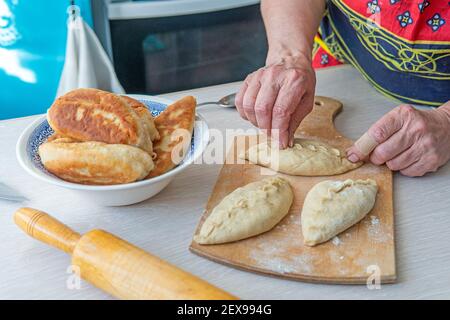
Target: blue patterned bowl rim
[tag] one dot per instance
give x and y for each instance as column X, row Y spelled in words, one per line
column 38, row 132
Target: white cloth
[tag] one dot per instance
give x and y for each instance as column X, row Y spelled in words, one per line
column 86, row 65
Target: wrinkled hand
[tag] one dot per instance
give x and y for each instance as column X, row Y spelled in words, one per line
column 411, row 141
column 277, row 97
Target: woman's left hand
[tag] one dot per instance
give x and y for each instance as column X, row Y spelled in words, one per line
column 411, row 141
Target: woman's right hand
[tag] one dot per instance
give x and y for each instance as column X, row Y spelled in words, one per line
column 278, row 96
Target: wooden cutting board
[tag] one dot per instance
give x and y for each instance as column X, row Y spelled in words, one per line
column 365, row 249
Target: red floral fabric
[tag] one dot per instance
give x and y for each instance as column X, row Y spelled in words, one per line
column 323, row 59
column 413, row 20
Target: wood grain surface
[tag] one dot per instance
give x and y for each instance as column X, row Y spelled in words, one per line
column 351, row 257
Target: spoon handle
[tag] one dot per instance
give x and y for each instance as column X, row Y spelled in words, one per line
column 205, row 103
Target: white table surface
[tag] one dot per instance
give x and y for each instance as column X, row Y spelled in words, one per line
column 164, row 224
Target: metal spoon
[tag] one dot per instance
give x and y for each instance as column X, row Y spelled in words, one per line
column 225, row 102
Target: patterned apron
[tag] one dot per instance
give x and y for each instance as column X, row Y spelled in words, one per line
column 402, row 47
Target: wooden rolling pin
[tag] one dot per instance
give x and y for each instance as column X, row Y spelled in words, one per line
column 114, row 265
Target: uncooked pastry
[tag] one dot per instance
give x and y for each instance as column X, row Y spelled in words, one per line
column 305, row 158
column 331, row 207
column 247, row 211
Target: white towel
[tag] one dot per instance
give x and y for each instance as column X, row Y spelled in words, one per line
column 87, row 65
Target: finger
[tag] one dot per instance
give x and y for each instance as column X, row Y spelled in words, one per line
column 240, row 99
column 404, row 160
column 287, row 100
column 417, row 169
column 380, row 131
column 265, row 101
column 354, row 155
column 362, row 148
column 305, row 107
column 250, row 98
column 384, row 128
column 393, row 146
column 428, row 162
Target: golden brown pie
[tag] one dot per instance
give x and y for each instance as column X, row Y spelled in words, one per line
column 95, row 162
column 175, row 125
column 95, row 115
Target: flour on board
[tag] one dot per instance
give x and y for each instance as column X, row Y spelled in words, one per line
column 273, row 257
column 375, row 230
column 336, row 241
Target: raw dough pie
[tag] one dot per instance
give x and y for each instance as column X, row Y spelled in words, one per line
column 331, row 207
column 305, row 158
column 247, row 211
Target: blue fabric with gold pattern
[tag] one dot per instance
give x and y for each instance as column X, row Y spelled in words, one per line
column 416, row 72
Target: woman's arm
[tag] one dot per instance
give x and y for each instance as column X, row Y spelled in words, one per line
column 277, row 97
column 291, row 26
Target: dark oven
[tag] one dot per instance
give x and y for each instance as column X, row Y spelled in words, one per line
column 164, row 46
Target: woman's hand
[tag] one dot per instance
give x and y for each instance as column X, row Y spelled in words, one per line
column 411, row 141
column 277, row 97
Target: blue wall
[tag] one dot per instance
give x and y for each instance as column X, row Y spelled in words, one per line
column 32, row 47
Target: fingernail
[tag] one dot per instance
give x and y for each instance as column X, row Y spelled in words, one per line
column 353, row 158
column 291, row 143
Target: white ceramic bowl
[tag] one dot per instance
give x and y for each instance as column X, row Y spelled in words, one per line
column 112, row 195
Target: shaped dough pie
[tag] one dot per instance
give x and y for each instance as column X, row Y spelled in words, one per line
column 305, row 158
column 247, row 211
column 331, row 207
column 95, row 162
column 175, row 125
column 96, row 115
column 145, row 115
